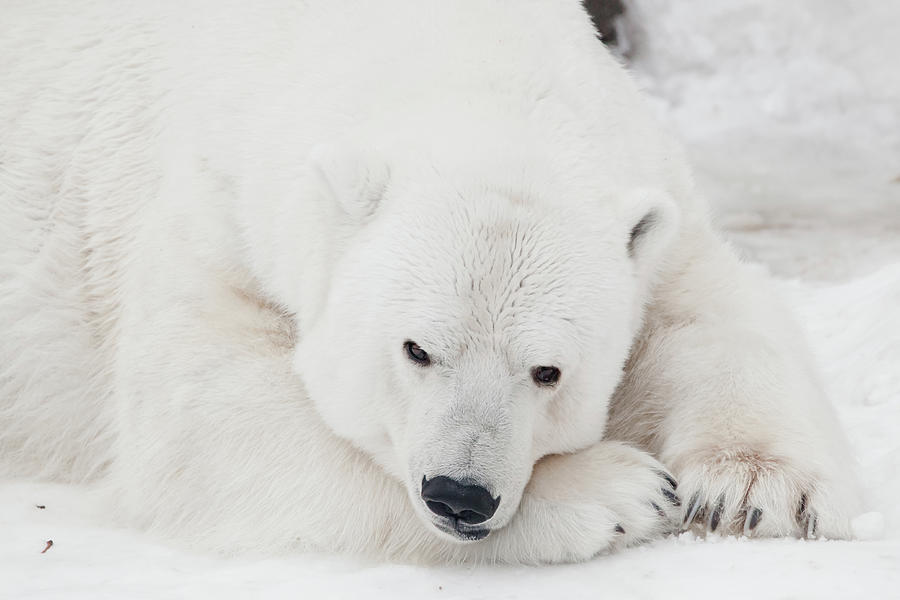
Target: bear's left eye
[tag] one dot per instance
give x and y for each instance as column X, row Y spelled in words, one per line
column 545, row 375
column 416, row 354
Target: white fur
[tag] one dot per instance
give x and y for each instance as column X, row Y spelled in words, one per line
column 220, row 224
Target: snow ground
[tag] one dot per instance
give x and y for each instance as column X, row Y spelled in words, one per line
column 791, row 114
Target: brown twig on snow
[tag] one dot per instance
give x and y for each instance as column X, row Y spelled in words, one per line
column 48, row 546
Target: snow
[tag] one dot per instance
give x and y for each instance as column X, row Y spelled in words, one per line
column 89, row 561
column 791, row 115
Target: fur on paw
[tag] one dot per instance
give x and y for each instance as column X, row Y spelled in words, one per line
column 608, row 496
column 741, row 491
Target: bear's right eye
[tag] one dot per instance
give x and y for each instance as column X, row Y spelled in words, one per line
column 416, row 354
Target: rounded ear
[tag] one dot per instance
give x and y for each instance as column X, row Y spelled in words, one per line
column 355, row 178
column 652, row 219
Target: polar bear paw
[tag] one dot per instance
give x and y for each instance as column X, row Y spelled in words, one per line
column 739, row 491
column 647, row 515
column 605, row 497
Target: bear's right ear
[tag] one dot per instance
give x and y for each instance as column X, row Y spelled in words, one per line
column 356, row 179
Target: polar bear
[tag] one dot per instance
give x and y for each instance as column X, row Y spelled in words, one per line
column 421, row 280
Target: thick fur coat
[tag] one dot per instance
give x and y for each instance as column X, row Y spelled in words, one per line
column 228, row 229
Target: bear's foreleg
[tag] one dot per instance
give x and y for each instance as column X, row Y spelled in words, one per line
column 721, row 388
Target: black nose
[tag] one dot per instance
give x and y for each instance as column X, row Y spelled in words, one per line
column 449, row 498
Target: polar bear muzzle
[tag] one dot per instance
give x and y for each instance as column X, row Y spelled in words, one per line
column 459, row 504
column 449, row 498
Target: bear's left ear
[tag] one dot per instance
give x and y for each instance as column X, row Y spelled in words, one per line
column 652, row 219
column 355, row 178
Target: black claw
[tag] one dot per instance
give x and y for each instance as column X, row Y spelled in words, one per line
column 692, row 508
column 811, row 529
column 671, row 480
column 753, row 520
column 801, row 510
column 671, row 497
column 659, row 511
column 717, row 513
column 620, row 529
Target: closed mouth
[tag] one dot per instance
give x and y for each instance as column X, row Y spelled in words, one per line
column 458, row 530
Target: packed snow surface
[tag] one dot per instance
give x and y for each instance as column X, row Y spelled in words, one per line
column 791, row 114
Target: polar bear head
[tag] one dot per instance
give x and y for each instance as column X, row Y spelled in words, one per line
column 465, row 331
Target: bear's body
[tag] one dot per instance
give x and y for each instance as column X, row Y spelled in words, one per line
column 217, row 221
